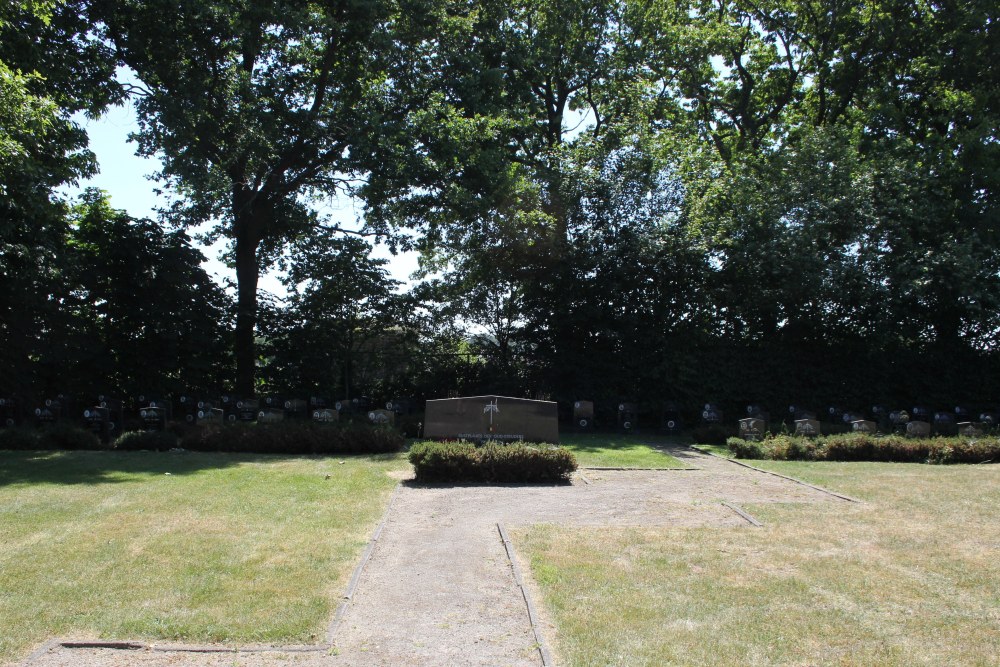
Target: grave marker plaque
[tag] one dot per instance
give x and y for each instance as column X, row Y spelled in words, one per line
column 247, row 409
column 8, row 412
column 628, row 417
column 209, row 414
column 809, row 427
column 382, row 417
column 296, row 408
column 752, row 428
column 188, row 408
column 325, row 415
column 98, row 421
column 864, row 426
column 484, row 418
column 672, row 423
column 271, row 415
column 711, row 414
column 154, row 415
column 969, row 430
column 918, row 429
column 583, row 415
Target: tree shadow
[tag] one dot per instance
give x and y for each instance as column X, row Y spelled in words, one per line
column 104, row 467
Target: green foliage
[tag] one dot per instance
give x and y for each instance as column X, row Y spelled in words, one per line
column 866, row 447
column 20, row 439
column 54, row 437
column 495, row 463
column 156, row 441
column 294, row 438
column 445, row 461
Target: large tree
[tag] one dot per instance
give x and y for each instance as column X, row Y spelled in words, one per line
column 256, row 110
column 49, row 70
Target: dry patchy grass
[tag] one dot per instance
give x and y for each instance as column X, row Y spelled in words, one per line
column 195, row 547
column 909, row 577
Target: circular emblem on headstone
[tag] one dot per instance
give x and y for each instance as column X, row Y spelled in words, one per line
column 671, row 424
column 583, row 423
column 576, row 405
column 338, row 405
column 388, row 405
column 184, row 399
column 627, row 424
column 232, row 418
column 621, row 407
column 38, row 412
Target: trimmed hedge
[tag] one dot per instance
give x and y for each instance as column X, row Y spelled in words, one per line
column 867, row 447
column 55, row 437
column 517, row 462
column 294, row 438
column 159, row 441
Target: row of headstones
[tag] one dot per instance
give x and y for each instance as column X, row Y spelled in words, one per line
column 106, row 415
column 627, row 417
column 918, row 422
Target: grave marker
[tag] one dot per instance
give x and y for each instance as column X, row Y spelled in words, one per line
column 485, row 418
column 583, row 415
column 808, row 427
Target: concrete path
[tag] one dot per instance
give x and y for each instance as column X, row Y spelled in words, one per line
column 439, row 588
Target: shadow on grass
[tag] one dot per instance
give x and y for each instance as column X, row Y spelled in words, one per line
column 109, row 467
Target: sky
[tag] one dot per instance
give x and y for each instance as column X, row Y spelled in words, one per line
column 125, row 177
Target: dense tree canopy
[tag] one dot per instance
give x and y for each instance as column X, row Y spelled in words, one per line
column 660, row 200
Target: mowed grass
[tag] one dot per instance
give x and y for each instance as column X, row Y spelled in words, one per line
column 909, row 577
column 180, row 546
column 613, row 450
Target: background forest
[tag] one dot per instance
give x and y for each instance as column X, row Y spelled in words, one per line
column 773, row 201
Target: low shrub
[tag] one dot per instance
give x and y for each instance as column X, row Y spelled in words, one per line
column 68, row 437
column 446, row 462
column 868, row 447
column 22, row 439
column 54, row 437
column 157, row 441
column 294, row 438
column 513, row 463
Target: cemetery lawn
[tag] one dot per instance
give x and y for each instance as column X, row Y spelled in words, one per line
column 615, row 450
column 180, row 546
column 908, row 577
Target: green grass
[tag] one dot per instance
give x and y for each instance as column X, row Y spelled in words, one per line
column 619, row 451
column 908, row 577
column 192, row 547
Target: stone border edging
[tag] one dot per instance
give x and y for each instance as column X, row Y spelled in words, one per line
column 352, row 585
column 743, row 513
column 543, row 648
column 777, row 474
column 624, row 468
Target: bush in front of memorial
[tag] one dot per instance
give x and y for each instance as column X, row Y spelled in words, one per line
column 493, row 463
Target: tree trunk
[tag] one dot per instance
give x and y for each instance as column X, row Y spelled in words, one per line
column 247, row 234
